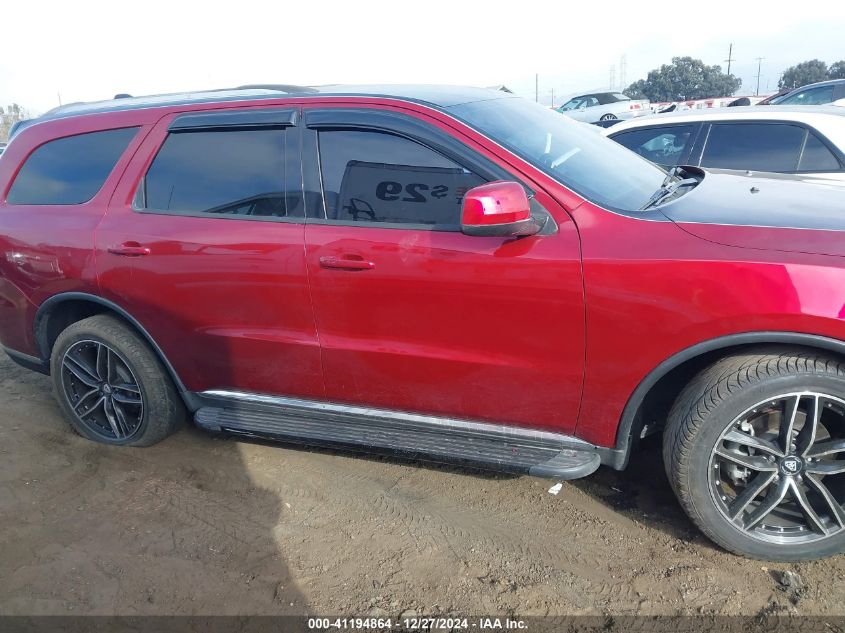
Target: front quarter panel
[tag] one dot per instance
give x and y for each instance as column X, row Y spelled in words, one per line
column 653, row 290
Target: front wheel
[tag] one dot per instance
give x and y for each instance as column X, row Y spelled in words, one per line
column 111, row 386
column 755, row 451
column 608, row 117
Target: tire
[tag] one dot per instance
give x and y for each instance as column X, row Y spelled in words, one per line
column 734, row 418
column 607, row 117
column 111, row 386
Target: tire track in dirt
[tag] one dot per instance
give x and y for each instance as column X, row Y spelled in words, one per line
column 430, row 523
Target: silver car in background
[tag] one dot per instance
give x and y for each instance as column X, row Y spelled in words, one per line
column 604, row 106
column 805, row 140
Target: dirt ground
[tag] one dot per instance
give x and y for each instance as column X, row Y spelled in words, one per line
column 206, row 525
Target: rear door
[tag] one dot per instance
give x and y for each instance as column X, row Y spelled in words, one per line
column 203, row 243
column 756, row 146
column 413, row 315
column 774, row 146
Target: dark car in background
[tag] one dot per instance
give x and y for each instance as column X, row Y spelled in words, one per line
column 819, row 93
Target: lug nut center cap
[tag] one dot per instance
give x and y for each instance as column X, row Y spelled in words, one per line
column 791, row 465
column 107, row 389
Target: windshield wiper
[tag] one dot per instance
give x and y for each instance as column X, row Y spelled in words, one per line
column 670, row 185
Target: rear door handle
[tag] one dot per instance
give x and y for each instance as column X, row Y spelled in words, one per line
column 129, row 249
column 346, row 262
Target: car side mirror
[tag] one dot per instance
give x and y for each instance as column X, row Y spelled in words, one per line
column 498, row 209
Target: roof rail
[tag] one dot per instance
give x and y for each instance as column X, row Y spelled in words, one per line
column 279, row 87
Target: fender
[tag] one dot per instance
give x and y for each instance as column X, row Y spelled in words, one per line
column 40, row 331
column 625, row 432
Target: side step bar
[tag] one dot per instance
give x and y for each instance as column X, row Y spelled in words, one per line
column 492, row 446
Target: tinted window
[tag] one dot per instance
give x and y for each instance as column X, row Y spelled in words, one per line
column 226, row 172
column 586, row 101
column 817, row 157
column 755, row 146
column 376, row 177
column 664, row 146
column 813, row 96
column 70, row 170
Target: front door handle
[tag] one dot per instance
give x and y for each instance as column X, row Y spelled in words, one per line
column 129, row 249
column 346, row 262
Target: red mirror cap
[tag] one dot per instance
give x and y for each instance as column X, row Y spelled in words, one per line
column 498, row 202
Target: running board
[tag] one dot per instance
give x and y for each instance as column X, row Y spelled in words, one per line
column 492, row 446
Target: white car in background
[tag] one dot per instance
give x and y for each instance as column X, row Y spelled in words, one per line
column 805, row 140
column 603, row 106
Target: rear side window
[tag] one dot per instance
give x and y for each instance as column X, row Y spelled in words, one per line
column 817, row 157
column 754, row 146
column 664, row 145
column 69, row 170
column 812, row 96
column 379, row 177
column 218, row 172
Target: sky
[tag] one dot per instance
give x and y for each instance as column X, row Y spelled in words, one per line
column 86, row 51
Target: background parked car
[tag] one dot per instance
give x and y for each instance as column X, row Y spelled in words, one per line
column 603, row 106
column 774, row 98
column 785, row 139
column 814, row 94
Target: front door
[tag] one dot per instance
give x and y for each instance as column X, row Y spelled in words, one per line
column 412, row 314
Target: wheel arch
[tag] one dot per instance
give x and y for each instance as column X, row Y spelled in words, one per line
column 59, row 311
column 660, row 386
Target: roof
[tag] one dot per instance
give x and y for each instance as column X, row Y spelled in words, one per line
column 738, row 112
column 826, row 82
column 438, row 96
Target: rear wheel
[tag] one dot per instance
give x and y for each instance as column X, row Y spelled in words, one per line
column 111, row 386
column 755, row 451
column 608, row 117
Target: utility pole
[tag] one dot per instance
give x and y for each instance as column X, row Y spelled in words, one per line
column 759, row 62
column 730, row 57
column 537, row 87
column 553, row 97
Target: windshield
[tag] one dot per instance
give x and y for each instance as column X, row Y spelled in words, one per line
column 593, row 166
column 574, row 103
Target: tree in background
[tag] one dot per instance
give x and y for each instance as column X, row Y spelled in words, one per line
column 836, row 70
column 684, row 79
column 804, row 73
column 8, row 117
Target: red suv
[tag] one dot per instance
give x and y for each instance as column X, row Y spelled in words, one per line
column 454, row 274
